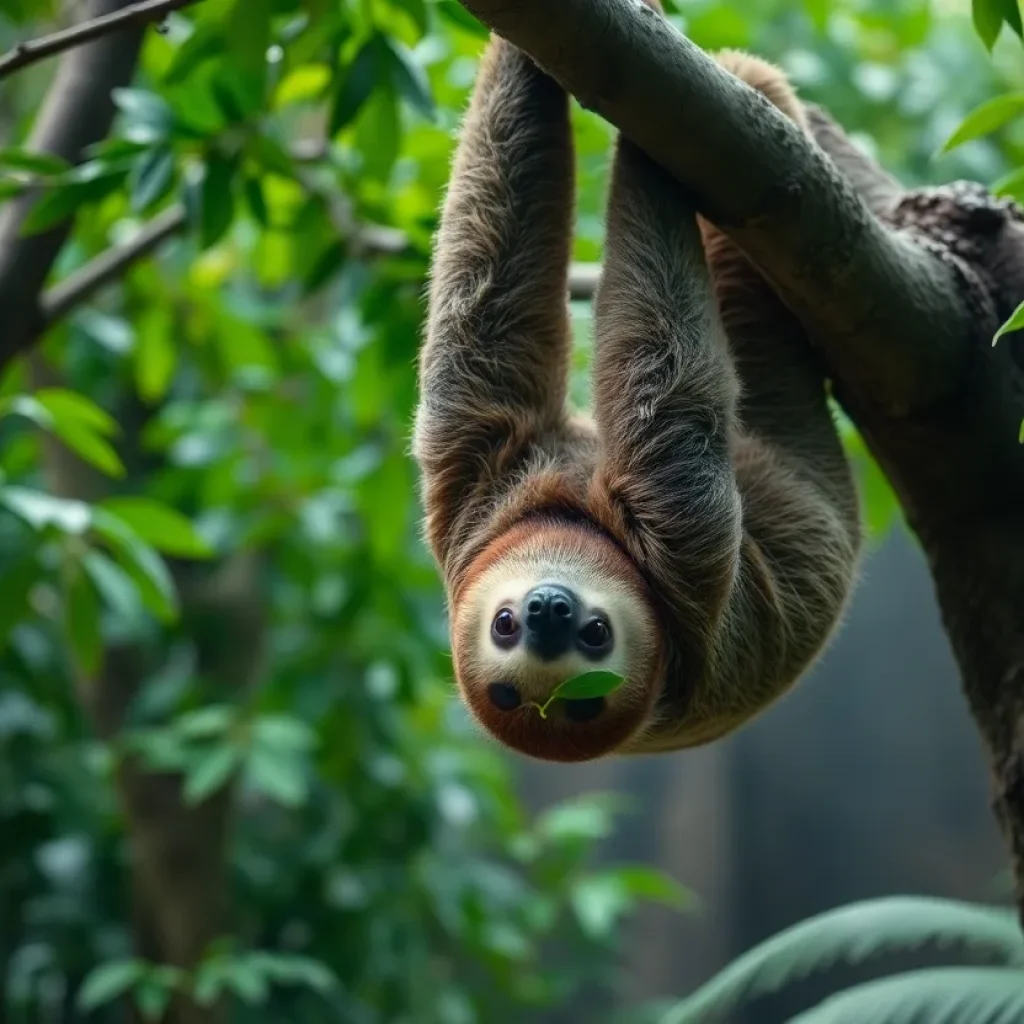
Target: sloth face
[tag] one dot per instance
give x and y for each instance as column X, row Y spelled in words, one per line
column 552, row 602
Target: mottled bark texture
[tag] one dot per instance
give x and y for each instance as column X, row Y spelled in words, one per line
column 902, row 291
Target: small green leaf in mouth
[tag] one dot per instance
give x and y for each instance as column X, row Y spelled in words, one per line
column 583, row 687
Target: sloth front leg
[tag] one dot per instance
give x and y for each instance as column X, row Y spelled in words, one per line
column 665, row 397
column 493, row 366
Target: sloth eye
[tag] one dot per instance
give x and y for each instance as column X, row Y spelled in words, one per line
column 505, row 627
column 596, row 633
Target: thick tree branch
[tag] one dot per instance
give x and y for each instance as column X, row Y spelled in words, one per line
column 873, row 298
column 48, row 46
column 77, row 112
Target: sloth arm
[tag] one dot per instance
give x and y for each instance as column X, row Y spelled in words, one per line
column 742, row 513
column 494, row 363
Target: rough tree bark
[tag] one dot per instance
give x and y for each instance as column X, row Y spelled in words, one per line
column 901, row 290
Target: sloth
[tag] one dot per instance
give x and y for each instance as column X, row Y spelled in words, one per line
column 698, row 534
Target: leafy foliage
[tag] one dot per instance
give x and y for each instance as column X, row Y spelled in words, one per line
column 852, row 934
column 233, row 503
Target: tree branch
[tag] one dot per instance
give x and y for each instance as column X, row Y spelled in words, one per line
column 33, row 50
column 77, row 112
column 109, row 266
column 873, row 298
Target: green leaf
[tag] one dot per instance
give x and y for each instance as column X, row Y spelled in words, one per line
column 60, row 202
column 244, row 76
column 356, row 85
column 76, row 420
column 82, row 620
column 379, row 132
column 247, row 981
column 217, row 204
column 151, row 177
column 650, row 884
column 417, row 11
column 410, row 79
column 114, row 333
column 1014, row 323
column 211, row 773
column 156, row 355
column 108, row 981
column 19, row 579
column 70, row 405
column 36, row 163
column 1011, row 184
column 1011, row 15
column 97, row 452
column 583, row 819
column 152, row 998
column 453, row 12
column 986, row 118
column 279, row 775
column 938, row 995
column 284, row 733
column 114, row 585
column 205, row 43
column 589, row 684
column 208, row 722
column 851, row 935
column 271, row 155
column 287, row 968
column 257, row 201
column 165, row 528
column 598, row 902
column 248, row 29
column 209, row 982
column 325, row 266
column 142, row 564
column 988, row 20
column 1020, row 436
column 148, row 118
column 43, row 510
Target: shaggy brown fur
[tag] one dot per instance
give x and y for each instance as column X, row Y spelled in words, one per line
column 710, row 492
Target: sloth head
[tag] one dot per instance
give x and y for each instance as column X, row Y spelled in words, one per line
column 541, row 604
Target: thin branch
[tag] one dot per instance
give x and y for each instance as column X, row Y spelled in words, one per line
column 876, row 302
column 77, row 112
column 33, row 50
column 109, row 266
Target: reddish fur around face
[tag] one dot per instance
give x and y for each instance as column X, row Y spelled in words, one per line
column 555, row 737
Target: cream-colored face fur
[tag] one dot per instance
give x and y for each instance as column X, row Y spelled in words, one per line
column 600, row 593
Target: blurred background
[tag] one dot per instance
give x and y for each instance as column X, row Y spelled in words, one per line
column 231, row 761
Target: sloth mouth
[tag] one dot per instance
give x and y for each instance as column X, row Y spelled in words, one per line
column 505, row 697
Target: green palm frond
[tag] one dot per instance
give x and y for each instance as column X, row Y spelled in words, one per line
column 850, row 935
column 938, row 995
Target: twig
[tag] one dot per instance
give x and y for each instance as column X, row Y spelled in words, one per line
column 47, row 46
column 109, row 266
column 77, row 113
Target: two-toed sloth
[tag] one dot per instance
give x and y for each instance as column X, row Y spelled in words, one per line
column 699, row 535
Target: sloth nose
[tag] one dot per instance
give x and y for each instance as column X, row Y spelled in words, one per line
column 551, row 612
